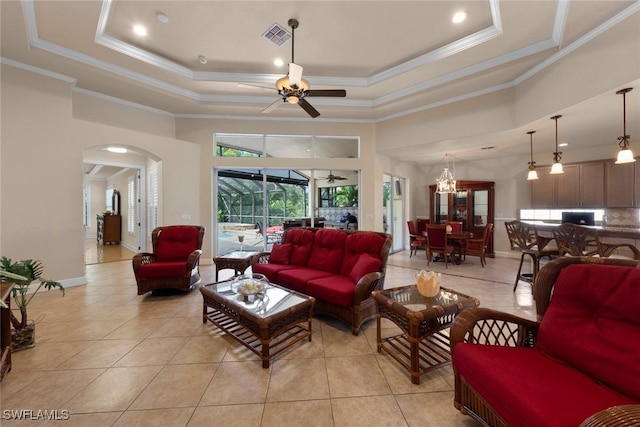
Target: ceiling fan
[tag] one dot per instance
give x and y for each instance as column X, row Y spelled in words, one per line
column 294, row 89
column 331, row 178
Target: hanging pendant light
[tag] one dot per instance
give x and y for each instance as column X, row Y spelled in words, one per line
column 533, row 174
column 625, row 155
column 556, row 167
column 446, row 183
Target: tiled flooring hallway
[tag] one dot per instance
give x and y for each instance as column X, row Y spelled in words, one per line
column 113, row 358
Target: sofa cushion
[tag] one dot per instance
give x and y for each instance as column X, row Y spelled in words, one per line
column 327, row 250
column 162, row 269
column 270, row 270
column 365, row 264
column 176, row 243
column 280, row 253
column 360, row 243
column 301, row 241
column 334, row 289
column 527, row 388
column 297, row 278
column 593, row 324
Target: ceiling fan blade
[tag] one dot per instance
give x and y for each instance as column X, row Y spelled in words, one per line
column 327, row 92
column 251, row 86
column 273, row 106
column 295, row 74
column 308, row 108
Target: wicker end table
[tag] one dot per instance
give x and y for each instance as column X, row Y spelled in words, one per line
column 423, row 343
column 239, row 261
column 274, row 321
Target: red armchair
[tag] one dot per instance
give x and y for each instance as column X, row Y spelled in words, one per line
column 174, row 262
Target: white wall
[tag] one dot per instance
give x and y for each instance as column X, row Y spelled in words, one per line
column 46, row 125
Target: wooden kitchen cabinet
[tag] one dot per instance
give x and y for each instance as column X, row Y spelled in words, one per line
column 592, row 185
column 567, row 187
column 543, row 189
column 620, row 185
column 582, row 185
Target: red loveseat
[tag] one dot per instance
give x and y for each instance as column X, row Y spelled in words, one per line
column 580, row 358
column 340, row 268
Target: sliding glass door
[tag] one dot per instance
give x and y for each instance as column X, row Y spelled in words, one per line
column 393, row 208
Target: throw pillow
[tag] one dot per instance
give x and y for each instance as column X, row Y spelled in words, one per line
column 365, row 264
column 280, row 253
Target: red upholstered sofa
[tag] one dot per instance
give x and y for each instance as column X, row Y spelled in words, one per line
column 340, row 268
column 581, row 357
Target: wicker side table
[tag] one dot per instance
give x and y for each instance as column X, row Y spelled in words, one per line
column 423, row 343
column 237, row 261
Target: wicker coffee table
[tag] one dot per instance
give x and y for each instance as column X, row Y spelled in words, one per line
column 423, row 343
column 271, row 323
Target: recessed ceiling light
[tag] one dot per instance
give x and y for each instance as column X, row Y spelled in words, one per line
column 162, row 17
column 140, row 30
column 278, row 62
column 118, row 150
column 202, row 59
column 563, row 144
column 458, row 17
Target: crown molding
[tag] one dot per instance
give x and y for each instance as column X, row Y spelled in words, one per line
column 554, row 41
column 38, row 70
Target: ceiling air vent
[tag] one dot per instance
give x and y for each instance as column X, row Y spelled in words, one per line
column 277, row 35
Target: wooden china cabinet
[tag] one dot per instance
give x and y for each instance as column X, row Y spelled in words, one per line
column 472, row 203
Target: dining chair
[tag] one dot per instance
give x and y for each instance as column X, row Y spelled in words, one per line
column 416, row 241
column 478, row 247
column 527, row 240
column 437, row 243
column 456, row 226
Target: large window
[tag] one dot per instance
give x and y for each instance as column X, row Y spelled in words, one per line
column 287, row 146
column 341, row 196
column 255, row 204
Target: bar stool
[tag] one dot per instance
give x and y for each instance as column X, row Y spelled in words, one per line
column 530, row 243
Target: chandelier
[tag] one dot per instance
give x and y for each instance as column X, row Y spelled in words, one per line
column 446, row 183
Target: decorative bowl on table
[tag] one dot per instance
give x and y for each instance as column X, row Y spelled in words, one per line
column 249, row 285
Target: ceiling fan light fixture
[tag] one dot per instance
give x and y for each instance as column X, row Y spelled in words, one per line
column 282, row 84
column 625, row 155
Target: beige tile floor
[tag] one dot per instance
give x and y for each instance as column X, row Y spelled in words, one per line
column 112, row 358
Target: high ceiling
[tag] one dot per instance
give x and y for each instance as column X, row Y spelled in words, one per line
column 392, row 57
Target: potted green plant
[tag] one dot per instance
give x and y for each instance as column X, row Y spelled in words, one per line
column 23, row 273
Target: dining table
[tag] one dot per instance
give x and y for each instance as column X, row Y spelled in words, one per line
column 459, row 241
